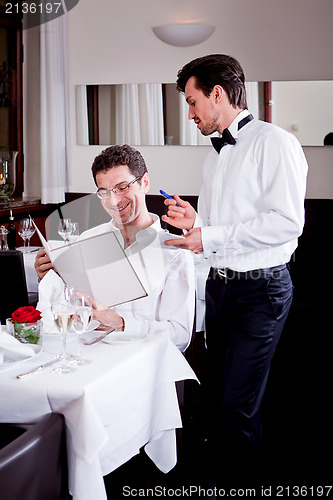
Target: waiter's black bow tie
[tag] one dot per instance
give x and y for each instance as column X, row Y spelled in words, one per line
column 226, row 137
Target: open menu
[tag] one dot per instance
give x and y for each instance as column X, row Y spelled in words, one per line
column 98, row 266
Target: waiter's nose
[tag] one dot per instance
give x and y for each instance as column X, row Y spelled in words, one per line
column 191, row 113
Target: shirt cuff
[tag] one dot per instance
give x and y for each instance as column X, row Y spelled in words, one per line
column 131, row 324
column 213, row 239
column 198, row 221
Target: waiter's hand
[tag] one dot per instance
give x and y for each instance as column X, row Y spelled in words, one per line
column 183, row 216
column 191, row 241
column 42, row 263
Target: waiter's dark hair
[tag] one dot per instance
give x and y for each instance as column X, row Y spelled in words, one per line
column 216, row 69
column 114, row 156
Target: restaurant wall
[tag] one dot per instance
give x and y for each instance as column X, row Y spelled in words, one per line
column 273, row 40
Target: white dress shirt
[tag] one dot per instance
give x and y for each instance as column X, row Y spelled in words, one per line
column 167, row 273
column 251, row 205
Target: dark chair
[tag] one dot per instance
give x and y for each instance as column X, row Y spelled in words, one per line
column 33, row 466
column 13, row 290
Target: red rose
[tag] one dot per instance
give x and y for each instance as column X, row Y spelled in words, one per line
column 27, row 314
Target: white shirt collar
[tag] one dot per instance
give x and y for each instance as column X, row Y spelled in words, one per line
column 233, row 127
column 143, row 234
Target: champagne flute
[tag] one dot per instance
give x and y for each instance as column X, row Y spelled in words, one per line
column 63, row 314
column 64, row 228
column 83, row 315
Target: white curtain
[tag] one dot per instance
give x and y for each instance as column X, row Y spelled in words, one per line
column 139, row 114
column 82, row 129
column 54, row 114
column 151, row 114
column 127, row 114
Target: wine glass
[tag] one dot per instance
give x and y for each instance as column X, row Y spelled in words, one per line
column 23, row 231
column 30, row 231
column 63, row 312
column 74, row 234
column 83, row 315
column 64, row 228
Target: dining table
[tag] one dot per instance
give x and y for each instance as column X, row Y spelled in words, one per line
column 125, row 399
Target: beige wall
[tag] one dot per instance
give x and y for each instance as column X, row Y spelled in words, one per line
column 272, row 39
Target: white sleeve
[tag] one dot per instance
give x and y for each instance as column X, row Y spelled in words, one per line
column 174, row 313
column 283, row 170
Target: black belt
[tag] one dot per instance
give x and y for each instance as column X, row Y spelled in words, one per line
column 255, row 274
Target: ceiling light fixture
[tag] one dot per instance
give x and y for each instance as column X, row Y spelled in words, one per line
column 183, row 35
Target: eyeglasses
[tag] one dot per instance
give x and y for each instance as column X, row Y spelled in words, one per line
column 121, row 189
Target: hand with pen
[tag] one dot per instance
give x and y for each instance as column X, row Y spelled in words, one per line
column 182, row 215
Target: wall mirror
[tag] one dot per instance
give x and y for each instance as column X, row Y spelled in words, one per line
column 156, row 114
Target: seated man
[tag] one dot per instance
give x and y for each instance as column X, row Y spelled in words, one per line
column 167, row 273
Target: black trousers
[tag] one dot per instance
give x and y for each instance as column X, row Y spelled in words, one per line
column 245, row 315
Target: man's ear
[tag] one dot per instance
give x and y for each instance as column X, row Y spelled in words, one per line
column 145, row 182
column 217, row 93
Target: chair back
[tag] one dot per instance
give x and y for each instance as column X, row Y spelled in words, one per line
column 13, row 288
column 34, row 465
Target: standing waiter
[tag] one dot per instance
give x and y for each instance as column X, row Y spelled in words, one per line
column 250, row 214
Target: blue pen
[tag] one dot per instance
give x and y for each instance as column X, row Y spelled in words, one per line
column 166, row 195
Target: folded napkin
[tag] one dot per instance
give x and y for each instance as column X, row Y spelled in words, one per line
column 51, row 280
column 12, row 349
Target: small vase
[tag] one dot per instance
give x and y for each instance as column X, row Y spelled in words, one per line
column 27, row 333
column 7, row 175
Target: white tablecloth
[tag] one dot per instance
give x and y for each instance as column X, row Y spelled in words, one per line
column 30, row 271
column 123, row 400
column 29, row 264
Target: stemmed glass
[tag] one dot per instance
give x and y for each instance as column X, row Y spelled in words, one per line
column 83, row 315
column 74, row 234
column 63, row 311
column 22, row 232
column 26, row 229
column 65, row 228
column 30, row 231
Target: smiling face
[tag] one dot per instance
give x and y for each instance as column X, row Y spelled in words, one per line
column 203, row 110
column 129, row 207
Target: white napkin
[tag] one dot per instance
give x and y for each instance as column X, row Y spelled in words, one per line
column 13, row 349
column 51, row 280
